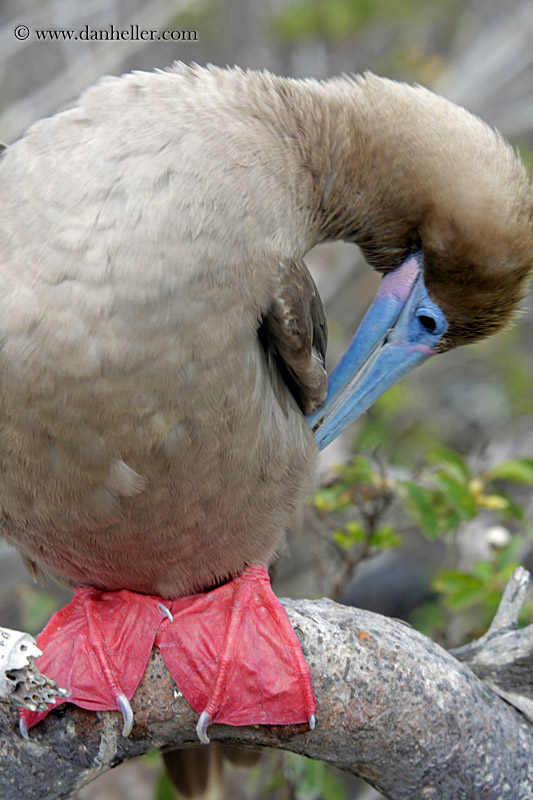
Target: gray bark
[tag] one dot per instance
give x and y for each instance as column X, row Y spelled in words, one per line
column 393, row 708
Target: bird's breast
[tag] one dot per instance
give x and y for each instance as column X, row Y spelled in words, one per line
column 146, row 449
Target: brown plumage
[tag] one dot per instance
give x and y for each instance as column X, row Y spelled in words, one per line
column 160, row 334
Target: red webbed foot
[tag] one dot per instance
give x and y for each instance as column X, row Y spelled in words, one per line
column 231, row 651
column 236, row 658
column 97, row 647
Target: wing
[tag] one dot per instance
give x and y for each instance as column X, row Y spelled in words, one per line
column 294, row 335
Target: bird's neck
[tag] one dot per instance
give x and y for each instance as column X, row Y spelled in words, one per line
column 344, row 148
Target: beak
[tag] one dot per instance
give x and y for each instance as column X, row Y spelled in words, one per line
column 400, row 330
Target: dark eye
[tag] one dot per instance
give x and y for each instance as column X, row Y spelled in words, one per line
column 428, row 323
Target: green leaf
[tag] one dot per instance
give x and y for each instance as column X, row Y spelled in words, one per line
column 505, row 572
column 373, row 433
column 395, row 399
column 458, row 496
column 153, row 757
column 332, row 498
column 513, row 509
column 419, row 502
column 428, row 618
column 355, row 530
column 451, row 462
column 447, row 581
column 37, row 608
column 304, row 776
column 460, row 589
column 344, row 541
column 385, row 538
column 449, row 522
column 510, row 555
column 164, row 789
column 518, row 470
column 332, row 787
column 308, row 787
column 360, row 470
column 352, row 534
column 466, row 598
column 483, row 570
column 325, row 19
column 276, row 780
column 297, row 22
column 491, row 603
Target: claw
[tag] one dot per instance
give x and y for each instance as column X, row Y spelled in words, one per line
column 124, row 707
column 23, row 728
column 312, row 721
column 166, row 611
column 201, row 728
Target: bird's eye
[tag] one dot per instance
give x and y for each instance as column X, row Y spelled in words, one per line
column 428, row 323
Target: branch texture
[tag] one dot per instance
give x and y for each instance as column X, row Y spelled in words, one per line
column 393, row 708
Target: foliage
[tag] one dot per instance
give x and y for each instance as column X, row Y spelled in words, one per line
column 304, row 778
column 164, row 789
column 437, row 497
column 340, row 19
column 311, row 780
column 36, row 607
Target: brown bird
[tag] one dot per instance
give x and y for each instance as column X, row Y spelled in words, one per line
column 162, row 339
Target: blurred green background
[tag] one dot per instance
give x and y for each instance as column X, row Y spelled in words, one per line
column 429, row 519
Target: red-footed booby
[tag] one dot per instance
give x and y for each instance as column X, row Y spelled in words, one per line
column 162, row 348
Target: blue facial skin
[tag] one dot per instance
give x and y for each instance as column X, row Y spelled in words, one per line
column 400, row 330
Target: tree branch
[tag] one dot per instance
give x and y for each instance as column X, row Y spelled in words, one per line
column 393, row 708
column 503, row 657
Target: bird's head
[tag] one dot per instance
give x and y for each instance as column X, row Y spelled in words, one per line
column 450, row 227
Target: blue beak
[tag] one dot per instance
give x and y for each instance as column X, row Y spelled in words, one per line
column 400, row 330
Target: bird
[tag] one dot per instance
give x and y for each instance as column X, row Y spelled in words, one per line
column 164, row 394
